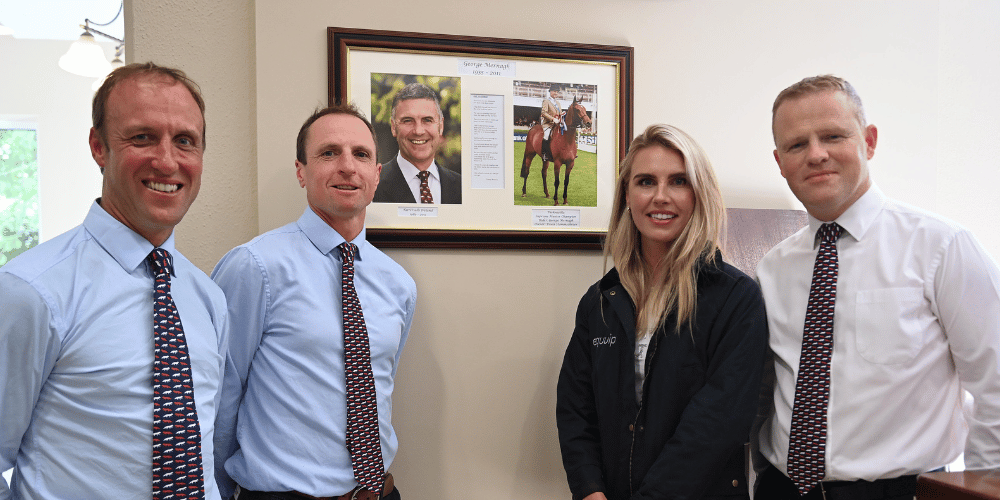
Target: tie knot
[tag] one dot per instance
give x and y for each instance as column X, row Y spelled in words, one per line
column 348, row 250
column 161, row 261
column 830, row 231
column 423, row 175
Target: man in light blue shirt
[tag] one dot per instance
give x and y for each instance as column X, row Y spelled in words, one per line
column 283, row 417
column 76, row 328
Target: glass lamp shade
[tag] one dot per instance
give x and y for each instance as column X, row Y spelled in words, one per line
column 115, row 64
column 85, row 58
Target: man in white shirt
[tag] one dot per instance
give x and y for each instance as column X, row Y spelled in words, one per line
column 413, row 175
column 916, row 320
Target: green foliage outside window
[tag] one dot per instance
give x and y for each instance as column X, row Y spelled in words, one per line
column 18, row 192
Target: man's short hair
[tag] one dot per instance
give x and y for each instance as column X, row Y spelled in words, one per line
column 415, row 91
column 135, row 70
column 821, row 83
column 336, row 109
column 555, row 87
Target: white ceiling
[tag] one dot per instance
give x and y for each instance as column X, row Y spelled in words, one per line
column 60, row 19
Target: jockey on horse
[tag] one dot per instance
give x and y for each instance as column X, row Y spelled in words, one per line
column 551, row 116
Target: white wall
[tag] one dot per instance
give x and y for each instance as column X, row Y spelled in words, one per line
column 475, row 395
column 968, row 167
column 35, row 88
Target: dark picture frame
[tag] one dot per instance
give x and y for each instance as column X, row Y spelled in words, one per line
column 347, row 45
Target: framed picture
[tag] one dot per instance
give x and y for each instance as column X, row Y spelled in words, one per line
column 487, row 142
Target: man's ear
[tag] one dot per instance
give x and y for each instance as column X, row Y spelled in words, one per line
column 871, row 139
column 98, row 149
column 777, row 159
column 299, row 166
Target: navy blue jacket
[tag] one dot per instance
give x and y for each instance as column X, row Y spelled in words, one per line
column 686, row 441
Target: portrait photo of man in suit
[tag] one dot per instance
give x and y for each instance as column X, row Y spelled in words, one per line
column 416, row 174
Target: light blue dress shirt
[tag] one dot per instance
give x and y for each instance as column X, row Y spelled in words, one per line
column 282, row 421
column 76, row 362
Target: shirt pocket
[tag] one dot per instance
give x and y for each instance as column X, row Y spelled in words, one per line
column 889, row 322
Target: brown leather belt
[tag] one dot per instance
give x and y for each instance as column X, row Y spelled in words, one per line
column 360, row 493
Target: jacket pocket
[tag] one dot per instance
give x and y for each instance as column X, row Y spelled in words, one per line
column 889, row 324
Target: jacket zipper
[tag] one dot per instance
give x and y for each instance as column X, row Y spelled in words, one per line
column 654, row 344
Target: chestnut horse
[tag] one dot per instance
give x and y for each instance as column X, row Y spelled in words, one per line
column 563, row 150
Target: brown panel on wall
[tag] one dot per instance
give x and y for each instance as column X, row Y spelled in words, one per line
column 752, row 232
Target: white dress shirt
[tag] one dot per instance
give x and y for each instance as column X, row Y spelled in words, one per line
column 917, row 320
column 413, row 180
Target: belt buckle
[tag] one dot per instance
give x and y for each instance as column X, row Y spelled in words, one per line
column 359, row 492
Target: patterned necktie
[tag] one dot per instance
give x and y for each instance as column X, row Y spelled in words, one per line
column 362, row 409
column 425, row 190
column 177, row 461
column 807, row 441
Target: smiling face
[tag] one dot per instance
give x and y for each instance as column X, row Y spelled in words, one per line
column 340, row 174
column 660, row 198
column 418, row 129
column 823, row 151
column 152, row 158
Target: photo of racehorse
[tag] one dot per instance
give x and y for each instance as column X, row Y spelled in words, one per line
column 556, row 122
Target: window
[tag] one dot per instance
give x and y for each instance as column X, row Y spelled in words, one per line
column 19, row 209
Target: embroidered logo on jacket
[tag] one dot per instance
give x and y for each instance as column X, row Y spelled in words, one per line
column 609, row 340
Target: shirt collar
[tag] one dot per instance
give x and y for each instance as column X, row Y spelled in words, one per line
column 859, row 217
column 325, row 238
column 410, row 172
column 126, row 246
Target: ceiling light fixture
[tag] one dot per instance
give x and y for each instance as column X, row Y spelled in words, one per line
column 86, row 58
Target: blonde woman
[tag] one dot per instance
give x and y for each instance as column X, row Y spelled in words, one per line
column 659, row 383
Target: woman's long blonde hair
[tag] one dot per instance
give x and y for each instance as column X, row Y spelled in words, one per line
column 675, row 288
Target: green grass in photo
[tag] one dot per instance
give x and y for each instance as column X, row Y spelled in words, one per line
column 582, row 181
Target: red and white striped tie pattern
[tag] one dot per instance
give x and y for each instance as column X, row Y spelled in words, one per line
column 807, row 441
column 362, row 409
column 177, row 462
column 425, row 190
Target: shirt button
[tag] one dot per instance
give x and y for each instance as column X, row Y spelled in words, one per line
column 735, row 483
column 642, row 428
column 612, row 292
column 631, row 427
